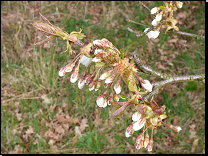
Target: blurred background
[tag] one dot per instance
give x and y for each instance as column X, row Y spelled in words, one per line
column 44, row 113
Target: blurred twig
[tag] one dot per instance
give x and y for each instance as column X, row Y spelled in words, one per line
column 145, row 6
column 86, row 5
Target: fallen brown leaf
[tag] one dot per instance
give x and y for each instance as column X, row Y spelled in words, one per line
column 83, row 124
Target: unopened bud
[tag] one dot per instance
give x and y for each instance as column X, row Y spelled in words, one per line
column 129, row 131
column 147, row 85
column 150, row 145
column 110, row 79
column 68, row 68
column 81, row 83
column 175, row 128
column 62, row 71
column 117, row 87
column 116, row 97
column 139, row 138
column 160, row 110
column 105, row 75
column 146, row 140
column 74, row 75
column 179, row 4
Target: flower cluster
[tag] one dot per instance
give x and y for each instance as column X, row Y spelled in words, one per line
column 148, row 116
column 105, row 62
column 169, row 22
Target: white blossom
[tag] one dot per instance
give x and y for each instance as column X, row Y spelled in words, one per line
column 154, row 10
column 117, row 88
column 61, row 73
column 158, row 17
column 81, row 85
column 108, row 80
column 101, row 101
column 90, row 89
column 146, row 30
column 98, row 51
column 147, row 85
column 154, row 22
column 139, row 124
column 153, row 34
column 96, row 59
column 97, row 43
column 85, row 60
column 74, row 77
column 136, row 116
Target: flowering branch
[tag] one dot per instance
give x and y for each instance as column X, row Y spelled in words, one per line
column 159, row 24
column 104, row 61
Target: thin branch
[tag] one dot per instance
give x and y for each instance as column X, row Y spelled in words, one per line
column 148, row 70
column 85, row 9
column 140, row 24
column 145, row 6
column 163, row 30
column 167, row 79
column 174, row 79
column 189, row 34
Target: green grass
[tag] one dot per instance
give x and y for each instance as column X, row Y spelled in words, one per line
column 30, row 84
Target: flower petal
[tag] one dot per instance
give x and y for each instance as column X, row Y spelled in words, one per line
column 85, row 60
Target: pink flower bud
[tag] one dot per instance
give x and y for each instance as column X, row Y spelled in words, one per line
column 68, row 68
column 98, row 51
column 106, row 42
column 160, row 110
column 110, row 79
column 154, row 105
column 139, row 145
column 99, row 44
column 117, row 87
column 175, row 128
column 74, row 75
column 129, row 131
column 150, row 145
column 62, row 71
column 139, row 138
column 116, row 97
column 106, row 74
column 146, row 140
